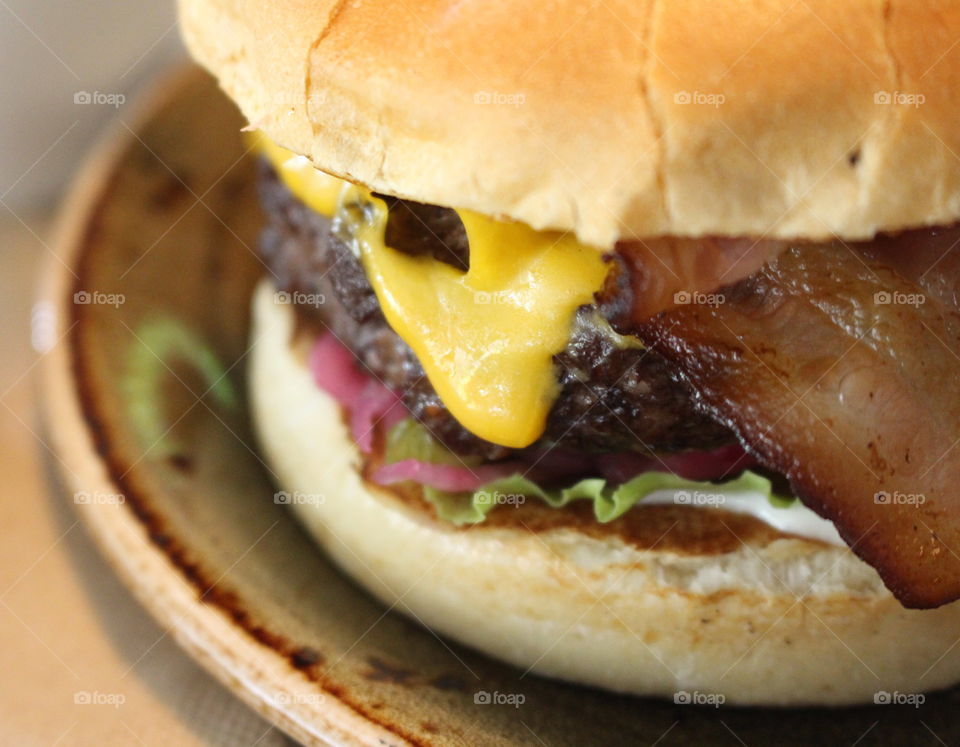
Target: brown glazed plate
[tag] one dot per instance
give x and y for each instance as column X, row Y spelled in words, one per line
column 144, row 400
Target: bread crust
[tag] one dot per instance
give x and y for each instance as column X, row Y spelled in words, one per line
column 772, row 620
column 618, row 120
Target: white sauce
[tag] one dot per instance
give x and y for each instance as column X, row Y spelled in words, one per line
column 796, row 519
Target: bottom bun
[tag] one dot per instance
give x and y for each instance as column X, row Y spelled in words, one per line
column 697, row 604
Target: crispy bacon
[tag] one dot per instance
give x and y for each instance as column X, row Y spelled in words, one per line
column 839, row 366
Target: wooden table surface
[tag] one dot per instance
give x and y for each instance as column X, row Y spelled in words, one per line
column 80, row 662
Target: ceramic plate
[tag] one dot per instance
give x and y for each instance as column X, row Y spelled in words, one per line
column 144, row 398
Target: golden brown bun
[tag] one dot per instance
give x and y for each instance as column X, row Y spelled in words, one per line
column 618, row 119
column 665, row 600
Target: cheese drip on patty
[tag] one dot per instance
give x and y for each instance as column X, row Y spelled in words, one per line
column 485, row 337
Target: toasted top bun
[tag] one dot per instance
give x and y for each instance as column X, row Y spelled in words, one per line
column 617, row 120
column 667, row 600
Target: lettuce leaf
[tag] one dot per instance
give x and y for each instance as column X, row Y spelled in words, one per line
column 410, row 440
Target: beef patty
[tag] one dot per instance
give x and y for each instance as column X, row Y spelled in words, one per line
column 613, row 397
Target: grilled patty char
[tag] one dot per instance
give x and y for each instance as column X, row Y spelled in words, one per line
column 612, row 398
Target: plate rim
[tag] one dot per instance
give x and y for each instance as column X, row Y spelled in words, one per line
column 251, row 670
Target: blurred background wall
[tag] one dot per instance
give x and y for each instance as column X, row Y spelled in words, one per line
column 66, row 68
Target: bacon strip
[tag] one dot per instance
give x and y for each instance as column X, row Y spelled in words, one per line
column 667, row 271
column 840, row 367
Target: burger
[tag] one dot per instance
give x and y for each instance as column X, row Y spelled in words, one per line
column 618, row 340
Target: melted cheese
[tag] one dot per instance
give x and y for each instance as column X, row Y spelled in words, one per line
column 317, row 189
column 486, row 337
